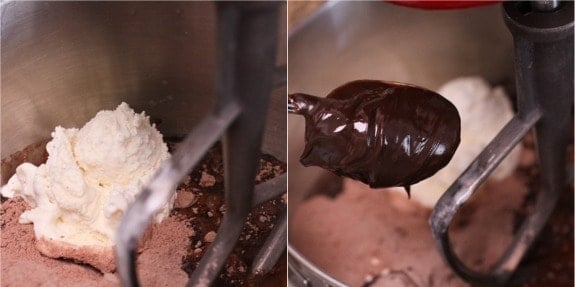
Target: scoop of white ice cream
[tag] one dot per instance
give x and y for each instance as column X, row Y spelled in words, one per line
column 91, row 176
column 484, row 111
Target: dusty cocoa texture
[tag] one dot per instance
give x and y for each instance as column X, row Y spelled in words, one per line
column 363, row 233
column 35, row 154
column 160, row 260
column 206, row 183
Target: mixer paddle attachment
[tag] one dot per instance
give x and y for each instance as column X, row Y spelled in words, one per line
column 544, row 80
column 247, row 35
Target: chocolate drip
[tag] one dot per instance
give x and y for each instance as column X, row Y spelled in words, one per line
column 383, row 134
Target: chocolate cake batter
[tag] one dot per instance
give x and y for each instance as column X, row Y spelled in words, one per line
column 383, row 134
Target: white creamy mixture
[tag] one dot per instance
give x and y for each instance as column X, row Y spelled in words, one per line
column 91, row 176
column 484, row 111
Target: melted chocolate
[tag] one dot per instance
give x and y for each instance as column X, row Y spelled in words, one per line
column 383, row 134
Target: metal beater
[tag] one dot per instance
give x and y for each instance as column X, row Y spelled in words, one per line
column 543, row 38
column 247, row 36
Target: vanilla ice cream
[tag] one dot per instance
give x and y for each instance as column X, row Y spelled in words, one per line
column 484, row 111
column 91, row 176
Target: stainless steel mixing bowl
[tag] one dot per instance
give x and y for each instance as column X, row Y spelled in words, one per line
column 346, row 41
column 62, row 62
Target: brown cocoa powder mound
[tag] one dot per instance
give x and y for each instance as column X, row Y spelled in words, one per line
column 159, row 263
column 23, row 265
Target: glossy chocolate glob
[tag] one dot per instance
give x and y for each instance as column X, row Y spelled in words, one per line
column 381, row 133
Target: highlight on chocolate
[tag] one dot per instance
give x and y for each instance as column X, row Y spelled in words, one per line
column 384, row 134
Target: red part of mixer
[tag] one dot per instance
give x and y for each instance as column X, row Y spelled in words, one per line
column 443, row 5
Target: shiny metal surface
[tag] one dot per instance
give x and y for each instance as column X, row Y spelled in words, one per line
column 64, row 61
column 162, row 186
column 375, row 40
